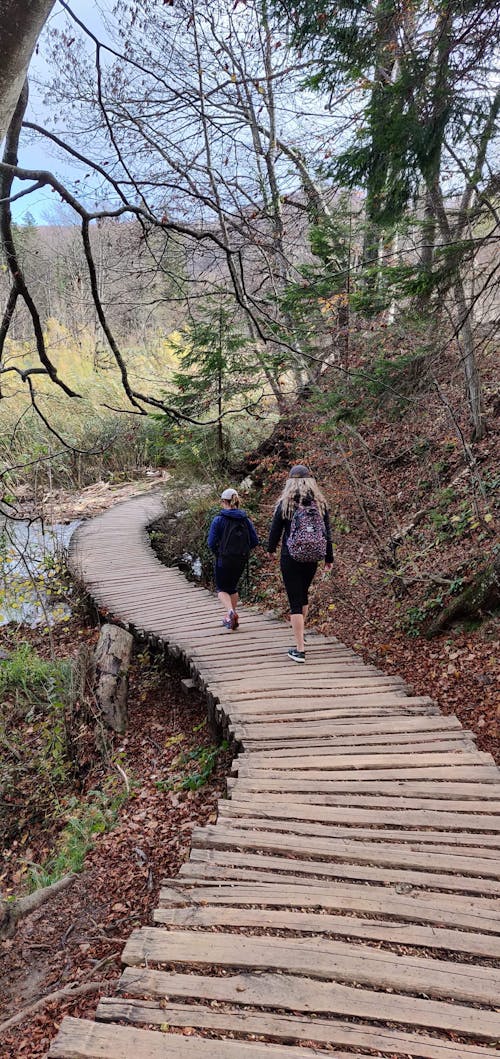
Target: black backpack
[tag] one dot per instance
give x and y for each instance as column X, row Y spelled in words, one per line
column 235, row 540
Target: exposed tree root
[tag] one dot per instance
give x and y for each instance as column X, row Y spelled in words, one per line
column 11, row 911
column 65, row 993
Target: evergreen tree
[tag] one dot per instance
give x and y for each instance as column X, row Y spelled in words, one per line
column 216, row 376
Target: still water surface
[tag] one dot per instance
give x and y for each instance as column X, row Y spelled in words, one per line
column 30, row 592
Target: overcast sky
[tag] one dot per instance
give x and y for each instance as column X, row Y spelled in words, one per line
column 35, row 153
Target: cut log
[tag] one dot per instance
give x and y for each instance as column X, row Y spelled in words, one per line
column 112, row 660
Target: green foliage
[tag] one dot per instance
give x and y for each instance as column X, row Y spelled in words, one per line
column 36, row 758
column 194, row 768
column 98, row 814
column 27, row 676
column 320, row 298
column 455, row 524
column 386, row 381
column 418, row 616
column 214, row 381
column 117, row 444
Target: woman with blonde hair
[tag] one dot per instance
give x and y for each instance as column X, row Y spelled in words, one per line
column 301, row 520
column 231, row 537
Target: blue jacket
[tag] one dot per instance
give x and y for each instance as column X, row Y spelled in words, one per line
column 217, row 526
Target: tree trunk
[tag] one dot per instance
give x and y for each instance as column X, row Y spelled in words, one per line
column 112, row 660
column 469, row 360
column 481, row 596
column 21, row 22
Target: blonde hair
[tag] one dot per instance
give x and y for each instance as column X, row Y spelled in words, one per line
column 298, row 489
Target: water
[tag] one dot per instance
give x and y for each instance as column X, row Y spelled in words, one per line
column 31, row 592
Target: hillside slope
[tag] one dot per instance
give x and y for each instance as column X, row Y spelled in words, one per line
column 413, row 509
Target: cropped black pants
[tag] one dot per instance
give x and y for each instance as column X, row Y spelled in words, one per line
column 297, row 578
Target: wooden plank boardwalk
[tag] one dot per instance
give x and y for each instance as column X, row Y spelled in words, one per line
column 346, row 902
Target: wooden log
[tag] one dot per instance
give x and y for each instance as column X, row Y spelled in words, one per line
column 319, row 958
column 294, row 994
column 81, row 1039
column 112, row 660
column 285, row 1029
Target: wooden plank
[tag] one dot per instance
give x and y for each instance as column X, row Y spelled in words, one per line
column 365, row 730
column 319, row 663
column 217, row 837
column 378, row 786
column 468, row 773
column 409, row 935
column 283, row 638
column 376, row 815
column 343, row 707
column 330, row 743
column 404, row 727
column 81, row 1039
column 476, row 914
column 231, row 862
column 317, row 681
column 369, row 759
column 291, row 993
column 329, row 747
column 291, row 735
column 322, row 690
column 378, row 801
column 460, row 842
column 280, row 1028
column 315, row 958
column 286, row 709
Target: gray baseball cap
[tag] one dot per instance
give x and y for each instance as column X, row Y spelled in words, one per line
column 300, row 471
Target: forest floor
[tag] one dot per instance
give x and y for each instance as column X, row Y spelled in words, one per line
column 415, row 515
column 77, row 937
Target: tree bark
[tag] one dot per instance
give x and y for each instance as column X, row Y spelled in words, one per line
column 469, row 359
column 480, row 596
column 11, row 911
column 112, row 660
column 21, row 22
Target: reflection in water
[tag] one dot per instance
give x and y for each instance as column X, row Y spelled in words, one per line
column 30, row 557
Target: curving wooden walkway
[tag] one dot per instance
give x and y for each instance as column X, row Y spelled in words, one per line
column 346, row 901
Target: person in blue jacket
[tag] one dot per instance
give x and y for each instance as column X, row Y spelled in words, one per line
column 231, row 538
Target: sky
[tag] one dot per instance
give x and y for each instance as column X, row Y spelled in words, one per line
column 44, row 206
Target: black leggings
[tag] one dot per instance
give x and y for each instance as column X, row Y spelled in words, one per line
column 297, row 578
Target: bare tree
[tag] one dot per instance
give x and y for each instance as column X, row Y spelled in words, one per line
column 21, row 22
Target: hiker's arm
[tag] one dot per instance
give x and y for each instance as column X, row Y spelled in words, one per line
column 329, row 542
column 214, row 535
column 275, row 531
column 254, row 540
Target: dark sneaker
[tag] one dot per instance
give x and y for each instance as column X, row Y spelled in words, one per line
column 227, row 623
column 296, row 656
column 235, row 621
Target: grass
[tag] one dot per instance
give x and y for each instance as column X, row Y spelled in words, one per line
column 87, row 821
column 26, row 676
column 194, row 768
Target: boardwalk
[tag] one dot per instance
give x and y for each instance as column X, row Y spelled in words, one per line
column 346, row 901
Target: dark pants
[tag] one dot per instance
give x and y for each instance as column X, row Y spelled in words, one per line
column 297, row 579
column 228, row 573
